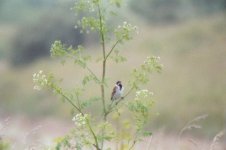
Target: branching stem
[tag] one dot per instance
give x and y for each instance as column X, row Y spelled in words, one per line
column 132, row 146
column 80, row 111
column 88, row 69
column 94, row 135
column 101, row 32
column 111, row 50
column 134, row 141
column 70, row 101
column 93, row 74
column 111, row 108
column 104, row 59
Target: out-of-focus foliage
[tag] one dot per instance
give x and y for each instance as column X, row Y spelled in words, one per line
column 160, row 11
column 24, row 11
column 36, row 23
column 4, row 145
column 34, row 41
column 33, row 26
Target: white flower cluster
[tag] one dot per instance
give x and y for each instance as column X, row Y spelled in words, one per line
column 85, row 5
column 143, row 94
column 40, row 80
column 128, row 26
column 91, row 5
column 80, row 120
column 150, row 60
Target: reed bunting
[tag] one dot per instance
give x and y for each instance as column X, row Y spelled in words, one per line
column 117, row 91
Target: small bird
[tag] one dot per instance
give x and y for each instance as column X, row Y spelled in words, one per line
column 117, row 91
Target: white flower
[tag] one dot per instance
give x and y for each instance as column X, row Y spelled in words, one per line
column 37, row 88
column 151, row 60
column 80, row 120
column 143, row 94
column 40, row 80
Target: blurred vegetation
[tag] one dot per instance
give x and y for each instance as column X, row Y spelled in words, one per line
column 35, row 32
column 4, row 145
column 171, row 11
column 33, row 41
column 28, row 27
column 25, row 11
column 193, row 53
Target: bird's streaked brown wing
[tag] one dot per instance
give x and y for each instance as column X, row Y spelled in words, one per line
column 113, row 92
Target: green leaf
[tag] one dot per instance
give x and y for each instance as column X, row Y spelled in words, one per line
column 147, row 133
column 89, row 102
column 116, row 2
column 57, row 49
column 140, row 76
column 113, row 13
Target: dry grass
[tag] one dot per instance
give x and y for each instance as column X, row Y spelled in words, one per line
column 193, row 124
column 39, row 134
column 216, row 144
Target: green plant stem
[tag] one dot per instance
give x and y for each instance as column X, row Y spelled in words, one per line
column 80, row 111
column 94, row 135
column 88, row 123
column 104, row 61
column 134, row 141
column 111, row 50
column 91, row 72
column 120, row 100
column 79, row 104
column 69, row 100
column 132, row 146
column 103, row 69
column 103, row 89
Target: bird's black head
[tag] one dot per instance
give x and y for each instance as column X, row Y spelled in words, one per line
column 119, row 83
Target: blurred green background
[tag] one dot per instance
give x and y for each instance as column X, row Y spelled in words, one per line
column 188, row 35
